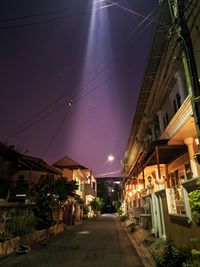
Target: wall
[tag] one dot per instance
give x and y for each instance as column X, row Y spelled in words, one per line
column 68, row 174
column 177, row 228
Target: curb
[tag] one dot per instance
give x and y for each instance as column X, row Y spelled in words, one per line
column 142, row 251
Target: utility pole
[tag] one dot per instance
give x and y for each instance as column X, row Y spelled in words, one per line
column 189, row 61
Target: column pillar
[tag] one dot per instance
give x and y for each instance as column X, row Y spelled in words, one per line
column 189, row 142
column 152, row 216
column 162, row 218
column 158, row 217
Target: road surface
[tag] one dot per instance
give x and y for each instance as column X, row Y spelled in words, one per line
column 97, row 243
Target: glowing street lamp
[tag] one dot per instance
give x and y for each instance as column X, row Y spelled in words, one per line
column 111, row 158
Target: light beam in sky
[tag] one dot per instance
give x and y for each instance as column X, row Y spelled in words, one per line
column 96, row 111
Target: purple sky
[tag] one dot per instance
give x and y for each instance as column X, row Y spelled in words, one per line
column 54, row 51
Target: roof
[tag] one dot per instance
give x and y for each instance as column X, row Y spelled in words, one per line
column 22, row 161
column 69, row 163
column 8, row 153
column 38, row 164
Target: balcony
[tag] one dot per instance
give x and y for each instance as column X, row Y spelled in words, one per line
column 178, row 126
column 89, row 190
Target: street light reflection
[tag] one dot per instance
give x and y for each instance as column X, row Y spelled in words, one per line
column 83, row 233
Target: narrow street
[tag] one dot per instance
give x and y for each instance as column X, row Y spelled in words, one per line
column 96, row 243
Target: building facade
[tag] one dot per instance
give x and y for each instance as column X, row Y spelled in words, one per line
column 86, row 182
column 18, row 172
column 159, row 164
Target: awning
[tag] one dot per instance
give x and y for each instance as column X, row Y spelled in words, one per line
column 158, row 152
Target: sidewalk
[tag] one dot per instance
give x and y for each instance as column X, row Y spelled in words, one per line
column 139, row 238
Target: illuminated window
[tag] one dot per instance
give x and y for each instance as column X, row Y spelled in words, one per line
column 175, row 195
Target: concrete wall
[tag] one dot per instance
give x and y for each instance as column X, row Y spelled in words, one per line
column 177, row 227
column 68, row 174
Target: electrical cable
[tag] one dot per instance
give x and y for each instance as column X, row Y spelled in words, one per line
column 23, row 126
column 145, row 27
column 18, row 131
column 70, row 104
column 39, row 22
column 28, row 121
column 9, row 133
column 101, row 7
column 55, row 134
column 31, row 118
column 77, row 15
column 132, row 11
column 65, row 117
column 22, row 129
column 143, row 21
column 34, row 15
column 30, row 124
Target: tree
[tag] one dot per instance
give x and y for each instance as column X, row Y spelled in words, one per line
column 96, row 204
column 64, row 188
column 48, row 194
column 118, row 206
column 43, row 196
column 194, row 198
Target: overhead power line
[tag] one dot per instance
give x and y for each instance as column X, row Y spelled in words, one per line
column 27, row 124
column 56, row 133
column 118, row 4
column 39, row 22
column 30, row 124
column 10, row 19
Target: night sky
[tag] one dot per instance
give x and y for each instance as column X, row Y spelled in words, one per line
column 52, row 52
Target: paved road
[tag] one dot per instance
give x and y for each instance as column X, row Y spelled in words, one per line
column 97, row 243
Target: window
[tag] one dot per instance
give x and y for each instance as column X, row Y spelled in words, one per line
column 175, row 195
column 188, row 171
column 166, row 120
column 175, row 201
column 93, row 185
column 175, row 179
column 81, row 187
column 176, row 103
column 179, row 201
column 178, row 100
